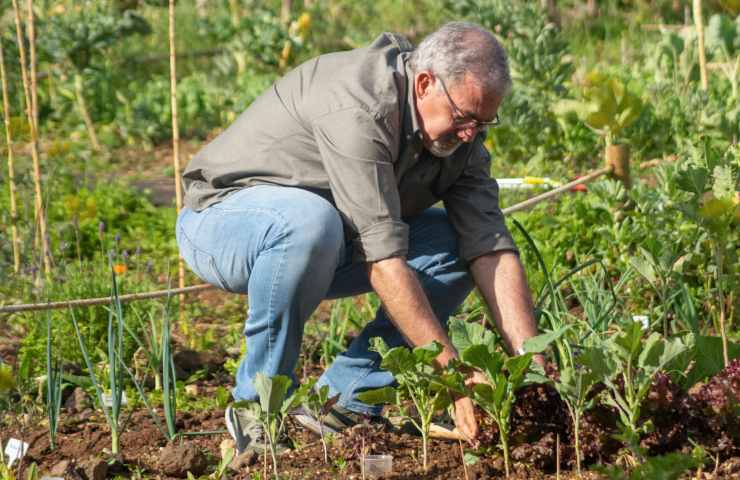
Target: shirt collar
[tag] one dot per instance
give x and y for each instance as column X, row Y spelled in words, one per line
column 410, row 119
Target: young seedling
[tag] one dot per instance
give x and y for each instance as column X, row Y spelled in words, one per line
column 418, row 381
column 575, row 382
column 629, row 365
column 505, row 376
column 319, row 404
column 53, row 386
column 273, row 408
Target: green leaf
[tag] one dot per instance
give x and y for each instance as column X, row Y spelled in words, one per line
column 723, row 185
column 517, row 366
column 708, row 359
column 398, row 360
column 271, row 391
column 378, row 396
column 427, row 353
column 480, row 357
column 539, row 343
column 721, row 35
column 596, row 360
column 464, row 334
column 692, row 179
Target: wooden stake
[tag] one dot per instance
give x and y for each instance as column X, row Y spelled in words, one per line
column 39, row 206
column 84, row 112
column 176, row 142
column 31, row 29
column 11, row 169
column 698, row 22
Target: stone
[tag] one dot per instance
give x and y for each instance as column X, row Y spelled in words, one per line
column 77, row 402
column 94, row 468
column 177, row 460
column 60, row 469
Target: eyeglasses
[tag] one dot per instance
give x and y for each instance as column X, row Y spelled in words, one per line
column 461, row 119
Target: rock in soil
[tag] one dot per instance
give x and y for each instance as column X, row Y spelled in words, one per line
column 94, row 468
column 77, row 402
column 61, row 469
column 178, row 460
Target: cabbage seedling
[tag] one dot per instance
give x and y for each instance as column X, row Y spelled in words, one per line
column 418, row 381
column 505, row 376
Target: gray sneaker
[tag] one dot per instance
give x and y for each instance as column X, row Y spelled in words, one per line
column 245, row 428
column 335, row 421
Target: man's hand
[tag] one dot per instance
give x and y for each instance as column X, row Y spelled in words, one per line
column 465, row 421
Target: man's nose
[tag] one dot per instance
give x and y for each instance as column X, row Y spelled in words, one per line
column 466, row 134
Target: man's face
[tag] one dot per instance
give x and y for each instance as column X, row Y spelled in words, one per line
column 450, row 114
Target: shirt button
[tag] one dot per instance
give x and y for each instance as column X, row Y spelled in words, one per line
column 416, row 155
column 408, row 137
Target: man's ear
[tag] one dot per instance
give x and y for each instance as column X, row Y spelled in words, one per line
column 423, row 84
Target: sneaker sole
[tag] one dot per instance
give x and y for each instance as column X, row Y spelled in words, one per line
column 307, row 421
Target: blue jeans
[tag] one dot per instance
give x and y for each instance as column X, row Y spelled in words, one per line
column 284, row 247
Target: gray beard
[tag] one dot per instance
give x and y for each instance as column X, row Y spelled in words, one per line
column 444, row 148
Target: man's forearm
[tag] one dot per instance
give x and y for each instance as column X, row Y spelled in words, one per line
column 407, row 305
column 501, row 280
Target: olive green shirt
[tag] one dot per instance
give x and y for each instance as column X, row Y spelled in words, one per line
column 344, row 125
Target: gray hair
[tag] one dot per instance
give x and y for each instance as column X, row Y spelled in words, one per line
column 459, row 48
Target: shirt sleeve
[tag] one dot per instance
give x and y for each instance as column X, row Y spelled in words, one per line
column 356, row 147
column 473, row 209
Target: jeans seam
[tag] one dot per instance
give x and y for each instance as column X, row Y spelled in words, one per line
column 211, row 258
column 270, row 310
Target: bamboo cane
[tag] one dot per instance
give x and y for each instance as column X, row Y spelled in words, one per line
column 176, row 142
column 11, row 168
column 700, row 35
column 38, row 203
column 84, row 112
column 31, row 29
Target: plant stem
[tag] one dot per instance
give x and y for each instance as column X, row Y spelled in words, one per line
column 11, row 170
column 720, row 260
column 84, row 112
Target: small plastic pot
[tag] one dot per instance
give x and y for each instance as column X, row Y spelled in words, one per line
column 377, row 466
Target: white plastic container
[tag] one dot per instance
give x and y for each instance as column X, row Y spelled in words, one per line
column 377, row 466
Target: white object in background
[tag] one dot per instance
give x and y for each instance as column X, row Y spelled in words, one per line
column 525, row 182
column 643, row 319
column 108, row 399
column 15, row 450
column 52, row 478
column 377, row 466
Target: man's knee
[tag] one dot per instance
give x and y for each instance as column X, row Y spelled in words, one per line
column 316, row 227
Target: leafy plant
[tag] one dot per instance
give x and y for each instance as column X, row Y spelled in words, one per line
column 319, row 404
column 505, row 376
column 54, row 374
column 418, row 381
column 273, row 408
column 628, row 366
column 115, row 352
column 607, row 105
column 714, row 205
column 664, row 467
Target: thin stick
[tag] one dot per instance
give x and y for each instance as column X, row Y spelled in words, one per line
column 556, row 191
column 462, row 457
column 11, row 169
column 700, row 35
column 176, row 143
column 39, row 206
column 87, row 302
column 31, row 29
column 84, row 112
